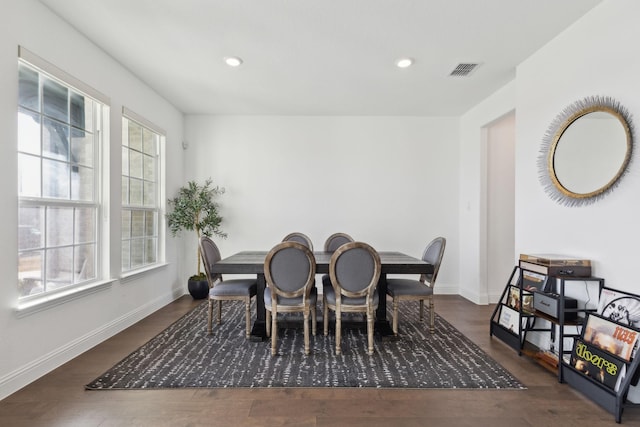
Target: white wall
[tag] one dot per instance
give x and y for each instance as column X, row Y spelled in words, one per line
column 590, row 58
column 33, row 344
column 388, row 181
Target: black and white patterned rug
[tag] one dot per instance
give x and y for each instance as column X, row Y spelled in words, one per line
column 184, row 355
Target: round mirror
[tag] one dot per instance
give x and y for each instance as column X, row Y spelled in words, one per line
column 586, row 151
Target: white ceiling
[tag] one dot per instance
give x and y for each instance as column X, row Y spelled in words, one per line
column 321, row 57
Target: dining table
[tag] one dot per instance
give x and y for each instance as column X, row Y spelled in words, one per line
column 252, row 262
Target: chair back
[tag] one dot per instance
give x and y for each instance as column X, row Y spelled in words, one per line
column 336, row 240
column 300, row 238
column 210, row 255
column 354, row 270
column 433, row 254
column 290, row 270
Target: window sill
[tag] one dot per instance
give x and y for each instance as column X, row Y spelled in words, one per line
column 135, row 274
column 47, row 301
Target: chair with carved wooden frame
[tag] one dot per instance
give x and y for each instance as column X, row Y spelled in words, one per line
column 300, row 238
column 419, row 290
column 354, row 271
column 332, row 243
column 289, row 271
column 225, row 290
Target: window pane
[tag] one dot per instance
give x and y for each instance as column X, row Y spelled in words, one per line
column 126, row 252
column 135, row 164
column 135, row 192
column 149, row 194
column 28, row 88
column 59, row 268
column 149, row 142
column 55, row 140
column 125, row 191
column 137, row 257
column 149, row 168
column 150, row 223
column 59, row 226
column 30, row 273
column 85, row 263
column 137, row 223
column 81, row 111
column 85, row 225
column 125, row 161
column 28, row 132
column 55, row 179
column 126, row 224
column 82, row 183
column 150, row 251
column 135, row 136
column 54, row 100
column 81, row 147
column 30, row 228
column 28, row 176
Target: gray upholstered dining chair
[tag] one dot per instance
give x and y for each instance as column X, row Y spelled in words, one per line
column 354, row 270
column 225, row 290
column 300, row 238
column 332, row 243
column 289, row 270
column 419, row 290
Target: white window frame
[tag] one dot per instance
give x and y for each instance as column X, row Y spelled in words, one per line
column 158, row 209
column 78, row 286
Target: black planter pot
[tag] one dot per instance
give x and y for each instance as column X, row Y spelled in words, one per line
column 199, row 289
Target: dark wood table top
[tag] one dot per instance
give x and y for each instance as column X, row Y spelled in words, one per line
column 252, row 262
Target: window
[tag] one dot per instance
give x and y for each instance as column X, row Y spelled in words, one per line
column 59, row 143
column 141, row 189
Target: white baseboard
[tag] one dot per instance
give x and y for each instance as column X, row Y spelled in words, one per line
column 31, row 371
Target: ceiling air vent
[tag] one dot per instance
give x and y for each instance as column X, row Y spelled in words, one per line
column 463, row 70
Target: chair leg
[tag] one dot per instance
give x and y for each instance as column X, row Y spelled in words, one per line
column 306, row 331
column 247, row 306
column 314, row 320
column 268, row 323
column 338, row 331
column 274, row 333
column 210, row 322
column 396, row 303
column 370, row 331
column 421, row 310
column 325, row 316
column 219, row 311
column 432, row 315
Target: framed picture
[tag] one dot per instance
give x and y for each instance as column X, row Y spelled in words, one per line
column 610, row 336
column 516, row 300
column 619, row 306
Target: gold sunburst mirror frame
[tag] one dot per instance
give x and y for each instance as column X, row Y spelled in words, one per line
column 586, row 151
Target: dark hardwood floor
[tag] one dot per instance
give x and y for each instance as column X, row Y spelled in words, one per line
column 59, row 398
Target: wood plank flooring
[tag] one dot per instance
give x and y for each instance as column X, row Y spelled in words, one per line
column 59, row 399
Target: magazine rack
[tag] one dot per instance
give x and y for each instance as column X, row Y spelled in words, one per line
column 613, row 400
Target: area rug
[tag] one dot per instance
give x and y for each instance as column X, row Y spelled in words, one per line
column 184, row 355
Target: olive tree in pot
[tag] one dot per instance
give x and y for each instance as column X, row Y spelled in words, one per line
column 195, row 209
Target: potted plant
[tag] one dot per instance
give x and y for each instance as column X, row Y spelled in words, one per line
column 195, row 208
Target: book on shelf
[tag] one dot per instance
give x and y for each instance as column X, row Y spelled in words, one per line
column 597, row 364
column 533, row 281
column 613, row 337
column 509, row 318
column 621, row 307
column 517, row 301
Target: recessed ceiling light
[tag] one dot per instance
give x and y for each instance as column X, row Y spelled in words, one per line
column 404, row 62
column 233, row 61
